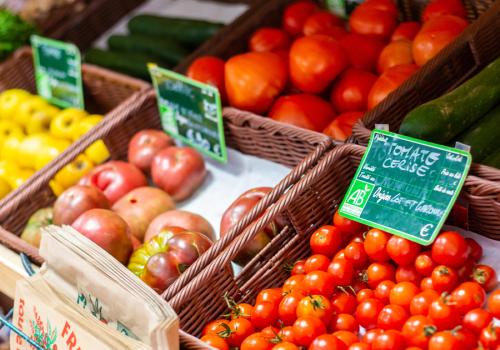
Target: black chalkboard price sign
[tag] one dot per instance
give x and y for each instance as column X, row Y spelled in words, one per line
column 406, row 186
column 190, row 111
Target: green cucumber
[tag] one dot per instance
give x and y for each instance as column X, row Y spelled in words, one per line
column 442, row 119
column 493, row 160
column 167, row 49
column 190, row 32
column 484, row 136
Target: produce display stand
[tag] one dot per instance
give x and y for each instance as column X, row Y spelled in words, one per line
column 309, row 204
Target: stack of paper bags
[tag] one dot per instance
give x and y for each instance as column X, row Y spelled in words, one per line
column 82, row 298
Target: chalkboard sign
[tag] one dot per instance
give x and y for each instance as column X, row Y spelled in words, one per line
column 190, row 111
column 58, row 72
column 406, row 186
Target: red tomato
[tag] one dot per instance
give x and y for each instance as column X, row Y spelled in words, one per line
column 350, row 91
column 355, row 254
column 444, row 315
column 378, row 272
column 299, row 268
column 342, row 271
column 408, row 274
column 209, row 70
column 296, row 14
column 303, row 110
column 438, row 8
column 293, row 284
column 285, row 346
column 490, row 337
column 306, row 329
column 417, row 331
column 369, row 20
column 287, row 310
column 394, row 54
column 370, row 335
column 389, row 340
column 367, row 312
column 362, row 50
column 494, row 303
column 341, row 127
column 468, row 296
column 392, row 317
column 444, row 279
column 264, row 314
column 322, row 22
column 346, row 226
column 383, row 5
column 467, row 339
column 435, row 35
column 256, row 341
column 344, row 303
column 269, row 39
column 360, row 346
column 215, row 341
column 316, row 306
column 383, row 291
column 364, row 294
column 424, row 264
column 486, row 276
column 389, row 81
column 340, row 254
column 215, row 327
column 317, row 262
column 319, row 282
column 476, row 251
column 344, row 322
column 421, row 302
column 445, row 340
column 465, row 272
column 286, row 334
column 346, row 337
column 254, row 79
column 402, row 251
column 477, row 319
column 239, row 329
column 271, row 295
column 242, row 310
column 402, row 294
column 326, row 240
column 315, row 61
column 376, row 243
column 327, row 342
column 406, row 31
column 426, row 284
column 450, row 249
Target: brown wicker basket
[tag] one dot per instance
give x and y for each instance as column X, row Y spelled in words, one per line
column 309, row 204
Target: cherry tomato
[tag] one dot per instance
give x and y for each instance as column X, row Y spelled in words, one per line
column 256, row 341
column 254, row 79
column 306, row 329
column 465, row 271
column 296, row 14
column 406, row 31
column 389, row 81
column 402, row 294
column 490, row 337
column 467, row 339
column 269, row 39
column 209, row 70
column 477, row 319
column 350, row 91
column 450, row 249
column 303, row 110
column 362, row 50
column 367, row 312
column 340, row 255
column 444, row 279
column 344, row 322
column 355, row 254
column 424, row 264
column 327, row 342
column 438, row 8
column 486, row 276
column 215, row 327
column 394, row 54
column 383, row 290
column 370, row 335
column 346, row 337
column 494, row 303
column 293, row 284
column 287, row 310
column 242, row 310
column 417, row 331
column 239, row 329
column 315, row 61
column 468, row 296
column 341, row 127
column 426, row 284
column 215, row 341
column 264, row 314
column 368, row 20
column 443, row 315
column 317, row 262
column 272, row 295
column 392, row 317
column 421, row 302
column 315, row 305
column 358, row 282
column 270, row 332
column 364, row 294
column 285, row 346
column 342, row 272
column 326, row 240
column 436, row 33
column 360, row 346
column 389, row 340
column 319, row 282
column 402, row 251
column 378, row 272
column 408, row 274
column 298, row 268
column 376, row 244
column 286, row 334
column 344, row 303
column 383, row 5
column 444, row 340
column 347, row 226
column 475, row 250
column 322, row 22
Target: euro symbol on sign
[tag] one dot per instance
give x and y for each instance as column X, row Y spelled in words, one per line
column 358, row 197
column 424, row 231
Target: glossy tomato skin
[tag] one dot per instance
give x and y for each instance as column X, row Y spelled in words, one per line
column 254, row 79
column 378, row 272
column 402, row 294
column 490, row 337
column 264, row 314
column 296, row 14
column 286, row 334
column 364, row 294
column 355, row 253
column 468, row 296
column 319, row 282
column 327, row 342
column 408, row 274
column 298, row 268
column 444, row 340
column 350, row 91
column 240, row 328
column 406, row 31
column 486, row 276
column 285, row 345
column 389, row 340
column 303, row 110
column 444, row 279
column 421, row 302
column 341, row 127
column 269, row 39
column 368, row 20
column 326, row 240
column 293, row 284
column 476, row 251
column 383, row 290
column 342, row 271
column 346, row 226
column 389, row 81
column 362, row 50
column 322, row 22
column 450, row 249
column 271, row 295
column 424, row 264
column 360, row 346
column 477, row 319
column 256, row 341
column 494, row 303
column 316, row 306
column 287, row 310
column 436, row 33
column 315, row 61
column 438, row 8
column 443, row 315
column 394, row 54
column 402, row 251
column 346, row 337
column 417, row 330
column 215, row 327
column 209, row 70
column 317, row 262
column 344, row 303
column 344, row 322
column 375, row 245
column 367, row 312
column 306, row 329
column 215, row 341
column 392, row 317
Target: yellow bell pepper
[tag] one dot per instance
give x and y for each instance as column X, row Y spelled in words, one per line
column 10, row 100
column 4, row 188
column 97, row 152
column 9, row 128
column 74, row 171
column 28, row 108
column 7, row 169
column 30, row 148
column 49, row 151
column 10, row 148
column 41, row 119
column 64, row 122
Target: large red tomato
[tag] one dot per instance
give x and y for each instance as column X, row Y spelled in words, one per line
column 303, row 110
column 254, row 79
column 395, row 54
column 370, row 20
column 437, row 8
column 341, row 127
column 269, row 39
column 350, row 92
column 389, row 81
column 362, row 50
column 406, row 31
column 323, row 22
column 315, row 61
column 296, row 14
column 209, row 70
column 436, row 33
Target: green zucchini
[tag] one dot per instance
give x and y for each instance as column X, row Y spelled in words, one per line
column 493, row 160
column 442, row 119
column 167, row 49
column 484, row 135
column 134, row 64
column 189, row 32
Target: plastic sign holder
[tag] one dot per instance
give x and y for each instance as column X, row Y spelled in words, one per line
column 405, row 186
column 190, row 111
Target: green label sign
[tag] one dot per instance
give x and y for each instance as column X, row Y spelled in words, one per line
column 58, row 72
column 190, row 111
column 406, row 186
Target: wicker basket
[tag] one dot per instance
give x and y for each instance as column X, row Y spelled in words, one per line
column 309, row 204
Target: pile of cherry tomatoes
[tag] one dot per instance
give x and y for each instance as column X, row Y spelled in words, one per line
column 369, row 290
